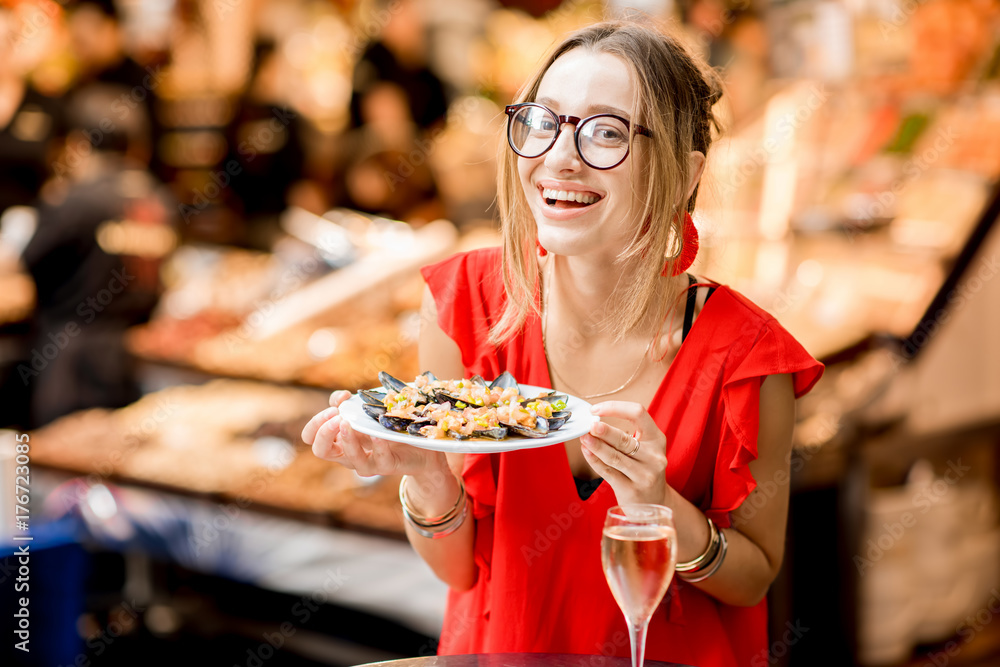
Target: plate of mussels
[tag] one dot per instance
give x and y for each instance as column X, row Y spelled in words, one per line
column 468, row 415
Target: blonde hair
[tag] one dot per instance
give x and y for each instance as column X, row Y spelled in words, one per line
column 674, row 98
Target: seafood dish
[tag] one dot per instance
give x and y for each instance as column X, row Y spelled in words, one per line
column 463, row 409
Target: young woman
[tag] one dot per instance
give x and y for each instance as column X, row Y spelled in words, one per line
column 695, row 386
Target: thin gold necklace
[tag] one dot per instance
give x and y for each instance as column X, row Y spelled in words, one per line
column 545, row 346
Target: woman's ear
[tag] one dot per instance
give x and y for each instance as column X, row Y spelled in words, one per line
column 696, row 162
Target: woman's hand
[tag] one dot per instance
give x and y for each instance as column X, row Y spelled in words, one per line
column 333, row 439
column 634, row 466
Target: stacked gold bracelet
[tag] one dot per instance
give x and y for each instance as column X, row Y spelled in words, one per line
column 709, row 562
column 438, row 526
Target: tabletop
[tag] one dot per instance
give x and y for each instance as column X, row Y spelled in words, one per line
column 519, row 660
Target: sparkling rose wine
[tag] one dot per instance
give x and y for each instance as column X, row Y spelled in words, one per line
column 638, row 565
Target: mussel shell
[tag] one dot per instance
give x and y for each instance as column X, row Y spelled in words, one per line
column 370, row 397
column 430, row 376
column 551, row 397
column 558, row 419
column 503, row 381
column 391, row 383
column 458, row 436
column 373, row 411
column 540, row 431
column 498, row 433
column 444, row 397
column 399, row 424
column 478, row 379
column 415, row 426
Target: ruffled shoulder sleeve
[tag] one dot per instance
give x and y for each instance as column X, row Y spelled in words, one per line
column 768, row 350
column 468, row 292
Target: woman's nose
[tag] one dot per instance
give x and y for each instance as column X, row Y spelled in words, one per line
column 563, row 154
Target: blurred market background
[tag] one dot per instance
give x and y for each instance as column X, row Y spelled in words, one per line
column 213, row 212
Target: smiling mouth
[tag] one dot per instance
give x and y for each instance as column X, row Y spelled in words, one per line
column 569, row 199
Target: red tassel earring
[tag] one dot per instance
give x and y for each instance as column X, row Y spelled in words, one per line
column 689, row 248
column 542, row 252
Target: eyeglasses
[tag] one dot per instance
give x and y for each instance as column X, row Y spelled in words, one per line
column 601, row 140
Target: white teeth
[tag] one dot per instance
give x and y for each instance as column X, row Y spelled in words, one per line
column 564, row 195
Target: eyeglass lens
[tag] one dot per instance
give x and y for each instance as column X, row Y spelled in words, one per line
column 603, row 140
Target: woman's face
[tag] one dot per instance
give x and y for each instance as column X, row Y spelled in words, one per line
column 582, row 83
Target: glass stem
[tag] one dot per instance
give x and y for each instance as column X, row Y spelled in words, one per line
column 637, row 637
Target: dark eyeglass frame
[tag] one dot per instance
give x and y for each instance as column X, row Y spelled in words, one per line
column 576, row 122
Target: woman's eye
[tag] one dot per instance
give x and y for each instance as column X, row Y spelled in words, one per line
column 609, row 134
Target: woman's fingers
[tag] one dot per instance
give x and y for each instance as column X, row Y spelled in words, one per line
column 369, row 456
column 633, row 462
column 356, row 455
column 338, row 397
column 324, row 444
column 606, row 460
column 634, row 413
column 616, row 438
column 314, row 424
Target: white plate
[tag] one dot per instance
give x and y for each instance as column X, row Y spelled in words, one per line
column 578, row 424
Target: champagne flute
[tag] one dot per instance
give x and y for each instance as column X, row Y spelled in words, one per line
column 639, row 551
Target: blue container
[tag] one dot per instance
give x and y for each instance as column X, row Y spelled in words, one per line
column 57, row 571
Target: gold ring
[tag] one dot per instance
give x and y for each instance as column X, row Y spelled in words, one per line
column 634, row 449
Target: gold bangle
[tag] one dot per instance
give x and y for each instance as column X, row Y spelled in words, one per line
column 716, row 563
column 707, row 556
column 436, row 521
column 442, row 530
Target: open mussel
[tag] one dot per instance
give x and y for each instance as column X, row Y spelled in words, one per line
column 551, row 397
column 540, row 430
column 504, row 381
column 417, row 424
column 558, row 419
column 372, row 397
column 393, row 423
column 391, row 383
column 496, row 433
column 373, row 411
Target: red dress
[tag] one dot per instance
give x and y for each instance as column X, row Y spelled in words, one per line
column 540, row 586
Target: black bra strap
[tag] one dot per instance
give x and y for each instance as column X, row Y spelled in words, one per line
column 692, row 295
